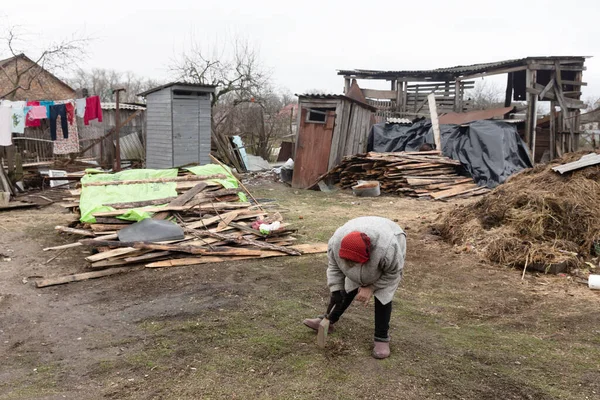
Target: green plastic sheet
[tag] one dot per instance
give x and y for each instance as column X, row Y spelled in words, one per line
column 212, row 169
column 98, row 198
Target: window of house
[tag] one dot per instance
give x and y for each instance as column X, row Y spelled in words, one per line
column 317, row 115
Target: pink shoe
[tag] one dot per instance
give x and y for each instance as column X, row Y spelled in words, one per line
column 381, row 350
column 314, row 324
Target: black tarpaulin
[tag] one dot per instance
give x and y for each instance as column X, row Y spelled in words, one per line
column 490, row 151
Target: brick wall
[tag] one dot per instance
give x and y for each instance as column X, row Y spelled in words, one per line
column 43, row 87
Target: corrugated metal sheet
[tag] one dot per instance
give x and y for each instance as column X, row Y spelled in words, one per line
column 122, row 106
column 456, row 70
column 585, row 161
column 131, row 147
column 206, row 88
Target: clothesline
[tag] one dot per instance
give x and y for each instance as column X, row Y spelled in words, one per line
column 15, row 116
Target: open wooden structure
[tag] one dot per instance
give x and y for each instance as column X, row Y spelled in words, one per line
column 330, row 127
column 532, row 79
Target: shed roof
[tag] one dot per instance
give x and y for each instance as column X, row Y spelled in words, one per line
column 198, row 87
column 452, row 72
column 323, row 96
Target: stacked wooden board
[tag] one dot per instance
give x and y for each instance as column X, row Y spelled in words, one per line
column 217, row 227
column 424, row 174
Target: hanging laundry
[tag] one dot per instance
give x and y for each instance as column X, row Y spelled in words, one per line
column 93, row 109
column 5, row 126
column 10, row 103
column 31, row 122
column 70, row 104
column 37, row 112
column 17, row 119
column 63, row 145
column 80, row 105
column 48, row 104
column 58, row 110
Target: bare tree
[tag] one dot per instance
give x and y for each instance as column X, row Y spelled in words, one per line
column 485, row 95
column 101, row 82
column 245, row 102
column 57, row 57
column 592, row 103
column 235, row 71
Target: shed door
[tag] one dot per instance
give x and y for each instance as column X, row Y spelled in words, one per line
column 314, row 145
column 186, row 129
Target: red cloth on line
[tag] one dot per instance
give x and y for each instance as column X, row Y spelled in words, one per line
column 70, row 112
column 32, row 122
column 93, row 109
column 356, row 246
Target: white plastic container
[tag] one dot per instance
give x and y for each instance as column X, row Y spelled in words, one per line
column 366, row 189
column 594, row 282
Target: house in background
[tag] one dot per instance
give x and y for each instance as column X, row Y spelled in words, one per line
column 22, row 79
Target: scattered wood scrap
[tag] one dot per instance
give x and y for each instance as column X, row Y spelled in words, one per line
column 218, row 227
column 418, row 174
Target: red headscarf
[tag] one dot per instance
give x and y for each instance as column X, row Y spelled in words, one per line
column 356, row 246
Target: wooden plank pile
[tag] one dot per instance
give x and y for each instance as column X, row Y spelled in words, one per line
column 217, row 227
column 424, row 174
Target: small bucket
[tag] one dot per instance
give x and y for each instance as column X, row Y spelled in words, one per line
column 594, row 282
column 367, row 189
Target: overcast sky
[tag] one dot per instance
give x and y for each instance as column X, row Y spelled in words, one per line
column 303, row 43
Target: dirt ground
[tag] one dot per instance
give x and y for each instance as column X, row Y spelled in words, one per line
column 461, row 328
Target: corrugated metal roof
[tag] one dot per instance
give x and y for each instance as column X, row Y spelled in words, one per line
column 585, row 161
column 207, row 88
column 122, row 106
column 456, row 70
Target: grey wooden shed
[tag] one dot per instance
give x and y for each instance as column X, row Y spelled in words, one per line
column 178, row 124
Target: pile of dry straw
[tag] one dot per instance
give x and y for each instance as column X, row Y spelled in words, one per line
column 537, row 216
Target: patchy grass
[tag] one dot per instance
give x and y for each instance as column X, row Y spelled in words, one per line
column 461, row 329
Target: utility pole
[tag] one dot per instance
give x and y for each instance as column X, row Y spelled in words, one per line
column 117, row 164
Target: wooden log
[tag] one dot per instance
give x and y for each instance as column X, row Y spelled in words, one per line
column 108, row 227
column 186, row 178
column 73, row 231
column 181, row 200
column 40, row 283
column 303, row 249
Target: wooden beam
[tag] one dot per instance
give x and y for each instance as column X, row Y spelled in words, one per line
column 552, row 130
column 186, row 178
column 574, row 83
column 509, row 89
column 435, row 122
column 529, row 82
column 551, row 95
column 181, row 200
column 562, row 103
column 380, row 94
column 493, row 72
column 553, row 67
column 40, row 283
column 547, row 87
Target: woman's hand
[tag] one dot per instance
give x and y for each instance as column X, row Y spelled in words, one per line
column 364, row 294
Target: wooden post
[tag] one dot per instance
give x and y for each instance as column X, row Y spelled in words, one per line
column 528, row 99
column 117, row 166
column 346, row 84
column 399, row 97
column 552, row 131
column 577, row 119
column 457, row 96
column 509, row 90
column 434, row 121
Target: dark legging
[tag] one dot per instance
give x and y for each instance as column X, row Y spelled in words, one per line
column 59, row 110
column 383, row 312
